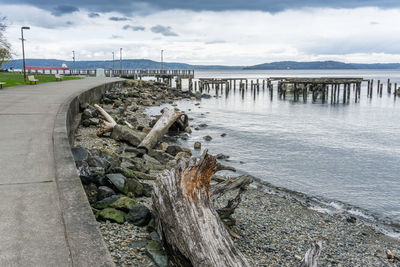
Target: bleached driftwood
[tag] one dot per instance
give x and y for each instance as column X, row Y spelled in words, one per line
column 230, row 184
column 168, row 118
column 311, row 257
column 187, row 222
column 106, row 126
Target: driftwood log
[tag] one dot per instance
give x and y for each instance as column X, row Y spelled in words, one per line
column 106, row 126
column 169, row 118
column 187, row 223
column 311, row 257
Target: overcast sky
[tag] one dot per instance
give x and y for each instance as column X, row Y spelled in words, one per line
column 229, row 32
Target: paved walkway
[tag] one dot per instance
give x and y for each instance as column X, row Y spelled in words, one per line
column 32, row 232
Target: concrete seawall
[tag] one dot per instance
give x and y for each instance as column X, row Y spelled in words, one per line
column 85, row 241
column 46, row 217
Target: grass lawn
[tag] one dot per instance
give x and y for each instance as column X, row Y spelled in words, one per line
column 13, row 79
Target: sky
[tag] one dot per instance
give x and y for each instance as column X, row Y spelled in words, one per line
column 234, row 32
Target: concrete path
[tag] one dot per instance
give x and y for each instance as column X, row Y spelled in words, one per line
column 32, row 231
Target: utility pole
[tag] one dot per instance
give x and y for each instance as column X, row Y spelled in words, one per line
column 162, row 59
column 23, row 50
column 73, row 60
column 120, row 61
column 112, row 71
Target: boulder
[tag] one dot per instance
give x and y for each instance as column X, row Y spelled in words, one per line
column 104, row 192
column 124, row 204
column 152, row 164
column 106, row 202
column 147, row 189
column 112, row 215
column 163, row 146
column 207, row 138
column 91, row 192
column 97, row 161
column 173, row 150
column 182, row 154
column 135, row 187
column 118, row 181
column 139, row 215
column 84, row 172
column 157, row 253
column 79, row 153
column 145, row 176
column 197, row 145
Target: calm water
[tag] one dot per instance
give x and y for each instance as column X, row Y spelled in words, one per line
column 346, row 155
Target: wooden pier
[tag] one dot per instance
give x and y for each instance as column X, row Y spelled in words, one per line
column 323, row 89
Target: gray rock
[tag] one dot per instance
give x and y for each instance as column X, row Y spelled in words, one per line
column 139, row 215
column 156, row 252
column 79, row 153
column 207, row 138
column 118, row 181
column 223, row 135
column 173, row 150
column 135, row 187
column 197, row 145
column 104, row 192
column 105, row 203
column 97, row 161
column 147, row 189
column 91, row 192
column 84, row 172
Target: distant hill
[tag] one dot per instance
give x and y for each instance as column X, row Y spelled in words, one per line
column 150, row 64
column 108, row 64
column 320, row 65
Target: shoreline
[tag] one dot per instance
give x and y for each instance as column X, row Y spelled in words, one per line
column 262, row 227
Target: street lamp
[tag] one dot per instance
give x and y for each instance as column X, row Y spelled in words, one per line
column 23, row 49
column 162, row 59
column 120, row 61
column 73, row 60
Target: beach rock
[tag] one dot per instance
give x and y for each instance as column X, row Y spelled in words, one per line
column 156, row 252
column 106, row 202
column 197, row 95
column 163, row 146
column 84, row 172
column 144, row 176
column 79, row 153
column 135, row 187
column 91, row 192
column 171, row 164
column 89, row 112
column 197, row 145
column 97, row 161
column 207, row 138
column 112, row 215
column 124, row 204
column 139, row 215
column 86, row 123
column 223, row 135
column 118, row 181
column 151, row 163
column 161, row 156
column 173, row 150
column 203, row 125
column 222, row 156
column 351, row 219
column 182, row 154
column 104, row 192
column 147, row 189
column 155, row 236
column 206, row 96
column 124, row 133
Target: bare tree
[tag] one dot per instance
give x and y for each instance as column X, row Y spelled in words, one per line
column 5, row 47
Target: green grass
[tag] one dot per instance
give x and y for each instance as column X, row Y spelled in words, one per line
column 13, row 79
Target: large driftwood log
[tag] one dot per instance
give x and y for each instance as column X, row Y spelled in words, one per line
column 187, row 223
column 311, row 257
column 106, row 126
column 168, row 118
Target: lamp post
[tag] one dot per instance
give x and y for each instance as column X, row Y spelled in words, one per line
column 23, row 49
column 73, row 60
column 120, row 61
column 162, row 59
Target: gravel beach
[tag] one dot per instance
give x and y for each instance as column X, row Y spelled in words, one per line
column 274, row 230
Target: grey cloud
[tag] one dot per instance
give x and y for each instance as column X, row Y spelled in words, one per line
column 62, row 10
column 129, row 6
column 93, row 15
column 116, row 37
column 216, row 42
column 164, row 30
column 374, row 23
column 133, row 28
column 119, row 18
